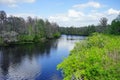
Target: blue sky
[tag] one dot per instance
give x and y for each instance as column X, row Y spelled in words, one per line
column 64, row 12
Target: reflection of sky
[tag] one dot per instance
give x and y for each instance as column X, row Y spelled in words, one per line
column 26, row 70
column 68, row 42
column 66, row 45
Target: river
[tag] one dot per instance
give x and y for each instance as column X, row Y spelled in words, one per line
column 35, row 61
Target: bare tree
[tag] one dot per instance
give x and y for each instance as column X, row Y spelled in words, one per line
column 103, row 21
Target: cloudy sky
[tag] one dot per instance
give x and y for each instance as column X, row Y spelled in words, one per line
column 64, row 12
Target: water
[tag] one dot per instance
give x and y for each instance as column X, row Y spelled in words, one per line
column 35, row 61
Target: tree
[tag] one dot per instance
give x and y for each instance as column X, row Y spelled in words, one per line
column 115, row 26
column 48, row 29
column 84, row 31
column 14, row 29
column 3, row 18
column 39, row 29
column 103, row 21
column 102, row 27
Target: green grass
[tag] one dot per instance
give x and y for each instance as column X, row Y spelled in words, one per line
column 96, row 58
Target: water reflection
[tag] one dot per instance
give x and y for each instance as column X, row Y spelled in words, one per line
column 19, row 61
column 34, row 61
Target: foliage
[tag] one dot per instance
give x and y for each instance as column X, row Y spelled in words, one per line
column 84, row 31
column 1, row 41
column 56, row 35
column 26, row 38
column 9, row 37
column 103, row 21
column 115, row 26
column 31, row 29
column 40, row 29
column 96, row 58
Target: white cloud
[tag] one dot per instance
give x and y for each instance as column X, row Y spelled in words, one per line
column 80, row 18
column 73, row 13
column 75, row 18
column 13, row 3
column 61, row 17
column 113, row 11
column 66, row 17
column 89, row 4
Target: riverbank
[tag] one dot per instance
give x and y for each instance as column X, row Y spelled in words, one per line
column 97, row 57
column 27, row 41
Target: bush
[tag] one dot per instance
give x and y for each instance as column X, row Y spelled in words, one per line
column 96, row 58
column 9, row 37
column 56, row 35
column 115, row 26
column 1, row 41
column 26, row 38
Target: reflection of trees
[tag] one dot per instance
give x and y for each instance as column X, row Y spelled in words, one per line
column 4, row 64
column 70, row 37
column 13, row 55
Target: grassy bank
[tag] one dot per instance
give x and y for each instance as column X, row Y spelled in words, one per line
column 96, row 58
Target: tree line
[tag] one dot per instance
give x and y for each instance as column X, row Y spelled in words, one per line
column 103, row 27
column 17, row 29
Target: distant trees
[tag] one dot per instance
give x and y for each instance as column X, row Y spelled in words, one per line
column 115, row 26
column 103, row 27
column 17, row 29
column 84, row 31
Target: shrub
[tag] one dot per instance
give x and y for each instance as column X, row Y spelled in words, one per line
column 115, row 26
column 1, row 41
column 56, row 35
column 96, row 58
column 26, row 38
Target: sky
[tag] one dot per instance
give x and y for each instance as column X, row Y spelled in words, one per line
column 65, row 13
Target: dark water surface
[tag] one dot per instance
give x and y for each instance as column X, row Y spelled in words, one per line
column 35, row 61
